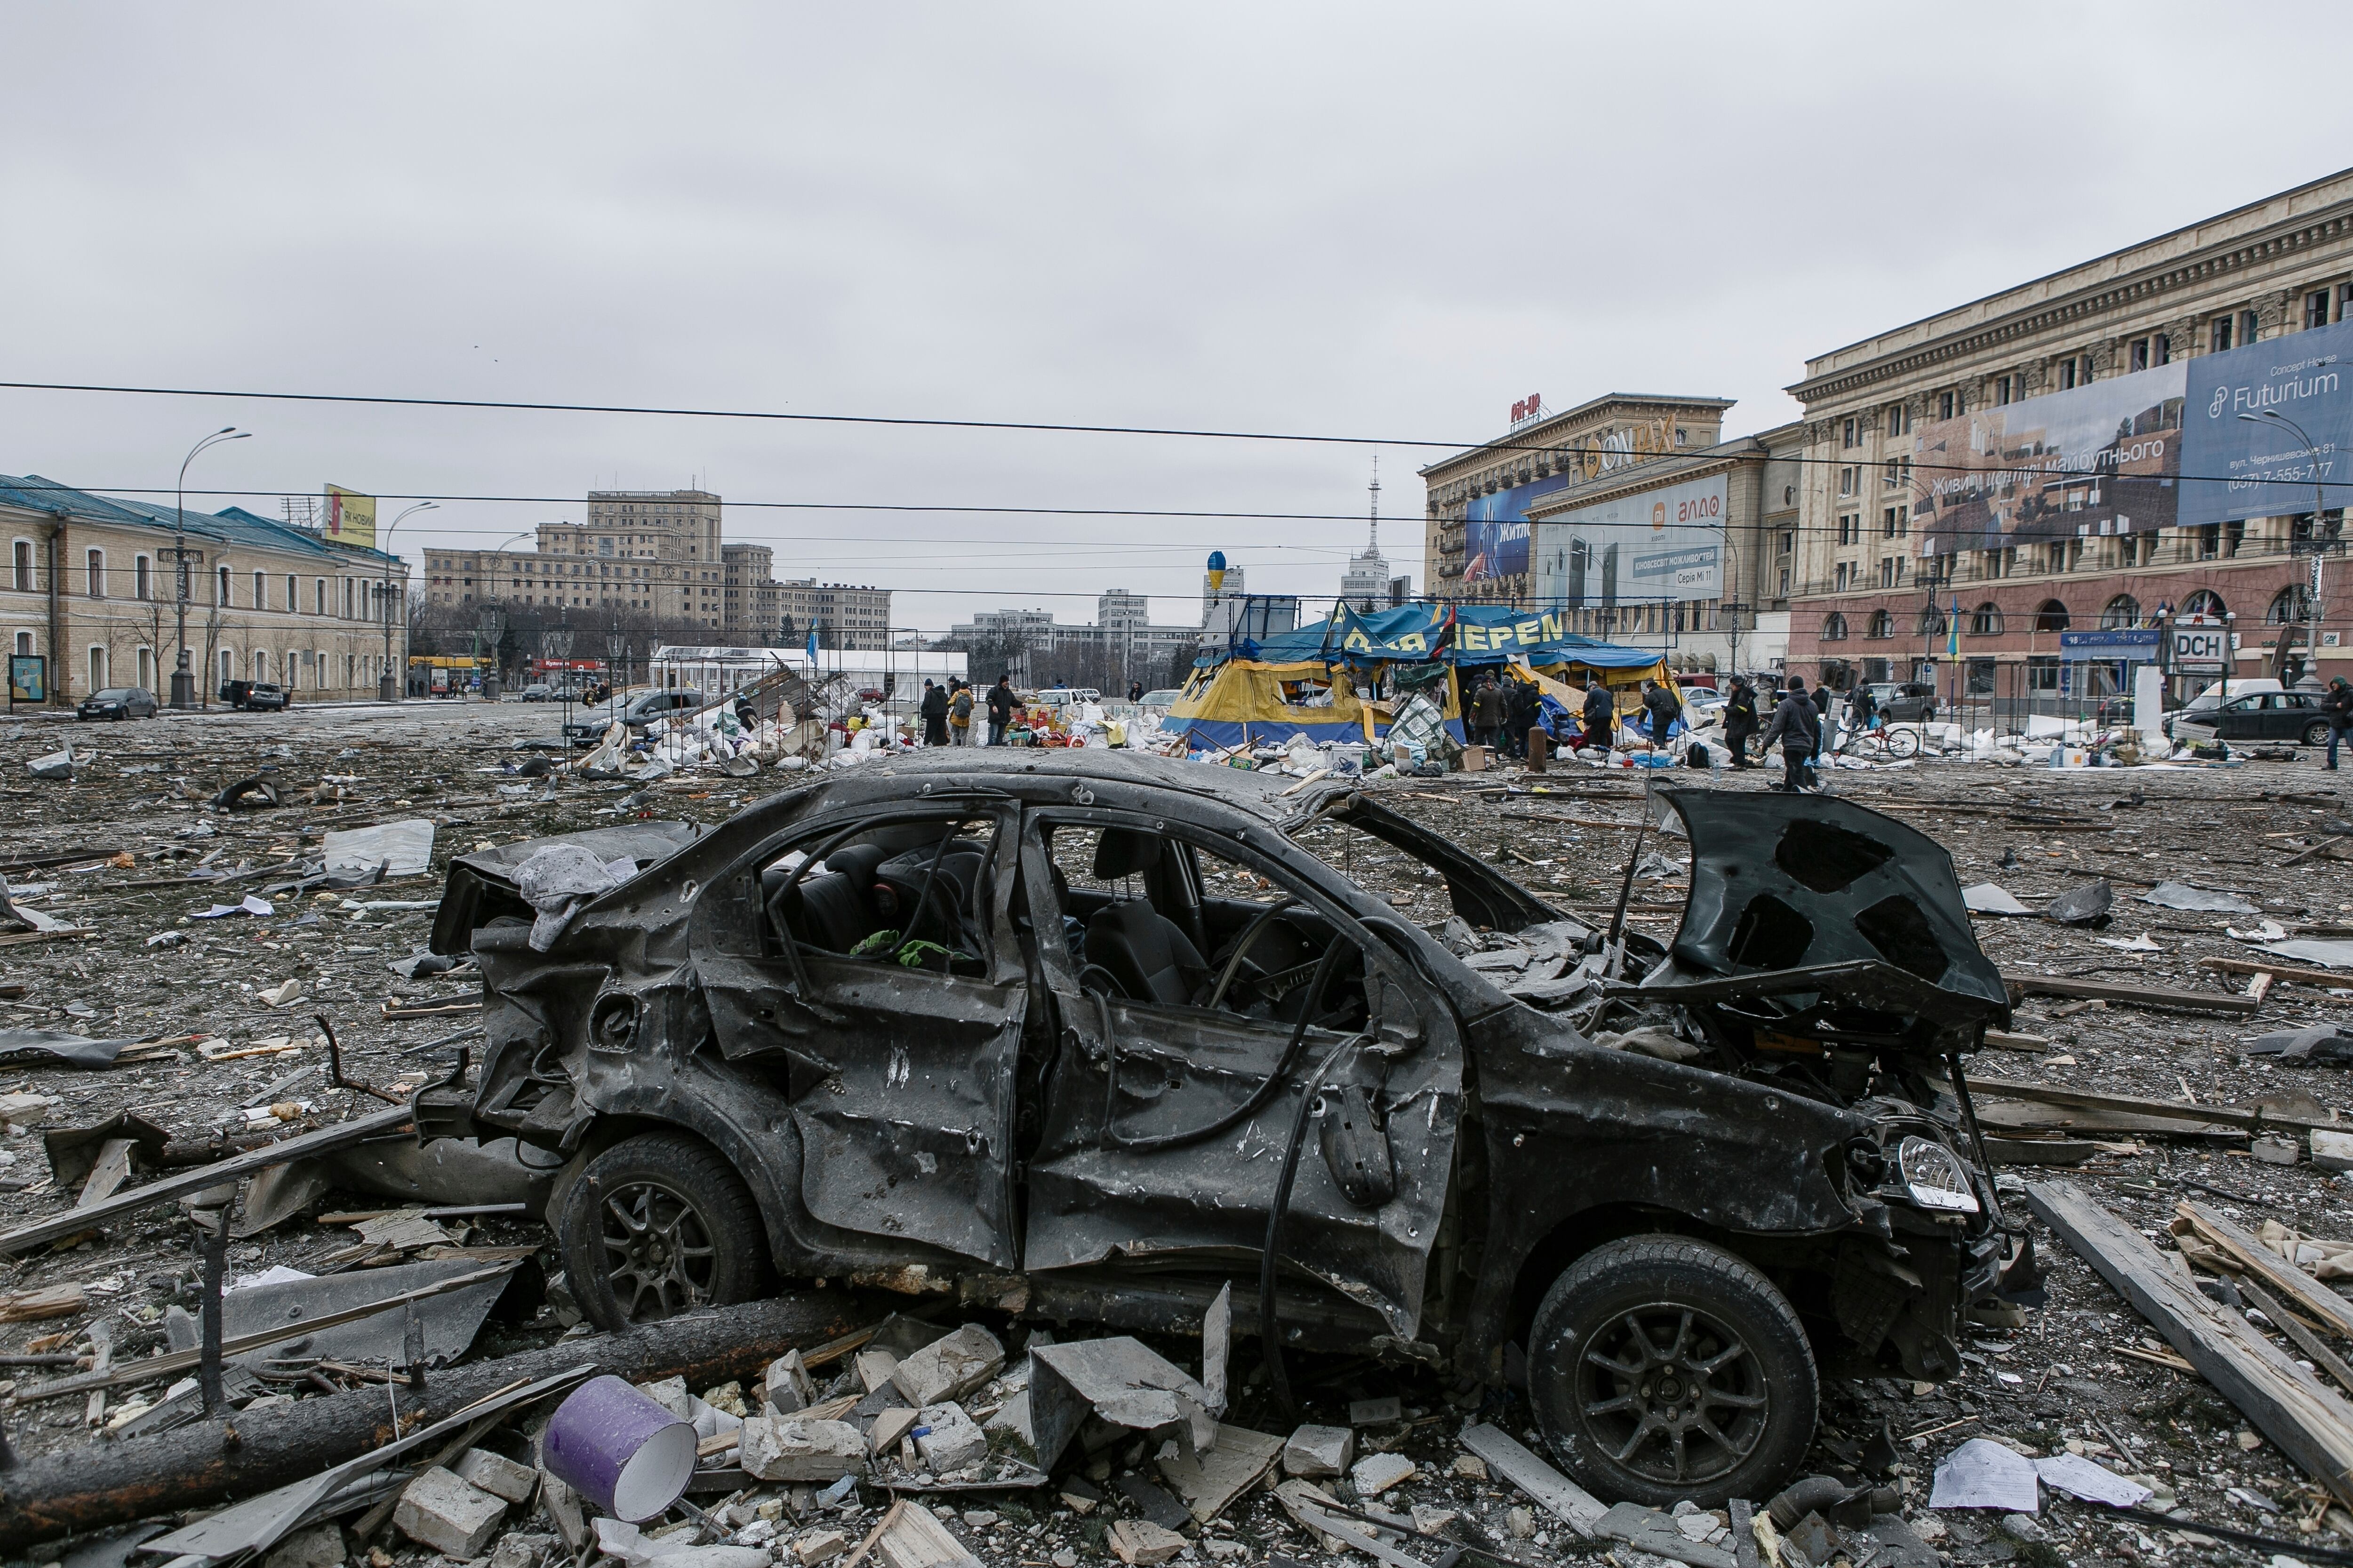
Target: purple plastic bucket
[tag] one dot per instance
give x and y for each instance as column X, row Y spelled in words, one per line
column 619, row 1450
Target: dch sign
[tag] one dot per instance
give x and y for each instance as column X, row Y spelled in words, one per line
column 2200, row 650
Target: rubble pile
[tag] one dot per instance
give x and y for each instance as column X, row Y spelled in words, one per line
column 216, row 935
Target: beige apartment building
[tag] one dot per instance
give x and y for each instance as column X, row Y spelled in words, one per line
column 844, row 615
column 1954, row 524
column 1477, row 546
column 89, row 588
column 655, row 551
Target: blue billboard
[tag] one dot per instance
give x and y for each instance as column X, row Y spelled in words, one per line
column 1495, row 530
column 2241, row 456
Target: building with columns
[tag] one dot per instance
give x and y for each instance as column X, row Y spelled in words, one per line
column 89, row 588
column 1940, row 515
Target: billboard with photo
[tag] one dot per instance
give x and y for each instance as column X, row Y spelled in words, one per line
column 2245, row 405
column 1495, row 530
column 2098, row 459
column 351, row 517
column 1666, row 543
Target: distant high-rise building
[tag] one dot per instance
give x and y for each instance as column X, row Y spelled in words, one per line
column 1364, row 585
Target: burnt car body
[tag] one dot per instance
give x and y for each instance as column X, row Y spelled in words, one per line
column 1089, row 1037
column 256, row 696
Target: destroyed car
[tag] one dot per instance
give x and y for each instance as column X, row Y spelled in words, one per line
column 635, row 714
column 1087, row 1036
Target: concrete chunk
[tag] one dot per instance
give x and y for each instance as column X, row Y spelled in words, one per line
column 1377, row 1473
column 321, row 1546
column 788, row 1386
column 1314, row 1453
column 951, row 1368
column 1139, row 1541
column 953, row 1442
column 672, row 1395
column 794, row 1448
column 441, row 1511
column 876, row 1369
column 496, row 1474
column 1375, row 1412
column 2332, row 1150
column 819, row 1546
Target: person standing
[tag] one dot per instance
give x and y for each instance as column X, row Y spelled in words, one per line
column 1863, row 709
column 1522, row 704
column 1600, row 714
column 1000, row 709
column 1797, row 727
column 1739, row 720
column 1663, row 710
column 959, row 712
column 1488, row 712
column 935, row 711
column 1135, row 691
column 2337, row 703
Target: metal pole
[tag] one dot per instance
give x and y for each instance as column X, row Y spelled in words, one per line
column 387, row 689
column 183, row 681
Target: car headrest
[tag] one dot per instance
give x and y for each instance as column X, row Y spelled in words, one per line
column 1125, row 852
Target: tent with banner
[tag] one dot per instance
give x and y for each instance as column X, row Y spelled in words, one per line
column 1304, row 682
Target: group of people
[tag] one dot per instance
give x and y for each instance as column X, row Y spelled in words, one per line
column 1501, row 713
column 948, row 711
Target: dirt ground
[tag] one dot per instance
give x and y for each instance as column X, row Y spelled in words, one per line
column 154, row 972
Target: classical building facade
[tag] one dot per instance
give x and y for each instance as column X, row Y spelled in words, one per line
column 1946, row 531
column 89, row 587
column 1476, row 538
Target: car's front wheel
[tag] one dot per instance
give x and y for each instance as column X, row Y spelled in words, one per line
column 1663, row 1368
column 2317, row 734
column 659, row 1224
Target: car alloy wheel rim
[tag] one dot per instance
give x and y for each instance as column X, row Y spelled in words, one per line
column 1671, row 1395
column 658, row 1258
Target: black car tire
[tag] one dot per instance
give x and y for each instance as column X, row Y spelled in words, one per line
column 1697, row 1309
column 2317, row 732
column 658, row 1225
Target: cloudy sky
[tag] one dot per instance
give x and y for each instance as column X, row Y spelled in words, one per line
column 1356, row 219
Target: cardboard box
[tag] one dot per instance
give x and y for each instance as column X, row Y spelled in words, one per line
column 1475, row 759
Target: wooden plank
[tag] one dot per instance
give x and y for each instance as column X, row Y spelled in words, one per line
column 112, row 1169
column 2142, row 995
column 2304, row 1340
column 917, row 1538
column 1556, row 1492
column 163, row 1190
column 2283, row 971
column 2316, row 1300
column 2139, row 1105
column 2310, row 1423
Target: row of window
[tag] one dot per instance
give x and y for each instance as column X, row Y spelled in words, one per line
column 358, row 598
column 2291, row 603
column 359, row 669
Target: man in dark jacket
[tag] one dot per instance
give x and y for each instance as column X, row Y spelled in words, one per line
column 1797, row 727
column 1739, row 720
column 1660, row 704
column 2337, row 704
column 1000, row 709
column 1600, row 714
column 1489, row 712
column 936, row 714
column 1523, row 703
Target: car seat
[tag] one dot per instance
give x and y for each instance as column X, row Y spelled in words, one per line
column 832, row 909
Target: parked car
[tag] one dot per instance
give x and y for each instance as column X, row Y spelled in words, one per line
column 1051, row 1032
column 2291, row 716
column 252, row 696
column 1904, row 701
column 117, row 702
column 538, row 691
column 637, row 712
column 1161, row 700
column 2197, row 714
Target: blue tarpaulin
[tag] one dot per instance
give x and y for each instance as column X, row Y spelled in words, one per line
column 1458, row 634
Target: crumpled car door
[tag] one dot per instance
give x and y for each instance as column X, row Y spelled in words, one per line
column 901, row 1080
column 1374, row 1166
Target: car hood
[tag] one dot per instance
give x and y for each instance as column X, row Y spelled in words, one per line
column 1820, row 919
column 482, row 886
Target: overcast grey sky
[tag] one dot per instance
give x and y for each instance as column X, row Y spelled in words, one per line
column 1369, row 219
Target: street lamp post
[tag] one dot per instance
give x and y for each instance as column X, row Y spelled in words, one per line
column 184, row 679
column 387, row 687
column 2319, row 545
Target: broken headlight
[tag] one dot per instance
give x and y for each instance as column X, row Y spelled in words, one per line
column 1935, row 1176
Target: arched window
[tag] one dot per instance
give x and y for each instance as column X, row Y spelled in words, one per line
column 2205, row 602
column 221, row 588
column 1882, row 624
column 97, row 668
column 1985, row 621
column 1932, row 622
column 2292, row 603
column 142, row 582
column 2122, row 611
column 260, row 592
column 261, row 665
column 2051, row 618
column 1834, row 627
column 228, row 666
column 96, row 586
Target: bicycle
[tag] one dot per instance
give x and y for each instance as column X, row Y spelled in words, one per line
column 1889, row 743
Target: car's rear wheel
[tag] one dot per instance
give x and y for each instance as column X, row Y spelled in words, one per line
column 2317, row 734
column 1663, row 1368
column 659, row 1224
